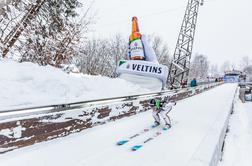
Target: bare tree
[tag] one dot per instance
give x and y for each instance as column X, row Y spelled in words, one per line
column 94, row 57
column 118, row 50
column 199, row 67
column 101, row 56
column 160, row 48
column 225, row 67
column 245, row 61
column 246, row 67
column 248, row 71
column 213, row 71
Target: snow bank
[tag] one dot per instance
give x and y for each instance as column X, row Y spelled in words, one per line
column 238, row 145
column 27, row 84
column 209, row 151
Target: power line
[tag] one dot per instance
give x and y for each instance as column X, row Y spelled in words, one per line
column 123, row 21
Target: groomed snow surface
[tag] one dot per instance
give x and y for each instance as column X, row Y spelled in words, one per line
column 27, row 84
column 192, row 119
column 238, row 144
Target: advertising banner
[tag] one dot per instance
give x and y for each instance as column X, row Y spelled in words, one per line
column 144, row 68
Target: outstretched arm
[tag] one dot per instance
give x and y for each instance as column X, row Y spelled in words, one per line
column 148, row 50
column 170, row 104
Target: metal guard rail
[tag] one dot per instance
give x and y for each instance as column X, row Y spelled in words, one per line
column 35, row 110
column 27, row 126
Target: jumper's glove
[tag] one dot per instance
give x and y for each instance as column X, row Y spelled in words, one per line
column 173, row 103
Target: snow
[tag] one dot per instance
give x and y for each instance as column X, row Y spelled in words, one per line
column 27, row 84
column 13, row 132
column 238, row 145
column 192, row 121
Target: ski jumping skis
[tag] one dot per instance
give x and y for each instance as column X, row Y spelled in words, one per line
column 122, row 142
column 156, row 134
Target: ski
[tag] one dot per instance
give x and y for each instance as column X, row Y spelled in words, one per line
column 156, row 134
column 122, row 142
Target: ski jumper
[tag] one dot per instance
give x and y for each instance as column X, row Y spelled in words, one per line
column 161, row 110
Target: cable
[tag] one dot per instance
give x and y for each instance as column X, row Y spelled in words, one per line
column 144, row 16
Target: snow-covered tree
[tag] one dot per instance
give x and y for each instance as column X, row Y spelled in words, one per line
column 213, row 71
column 160, row 48
column 199, row 68
column 226, row 66
column 93, row 57
column 246, row 67
column 47, row 32
column 244, row 62
column 248, row 71
column 16, row 15
column 101, row 56
column 118, row 50
column 52, row 36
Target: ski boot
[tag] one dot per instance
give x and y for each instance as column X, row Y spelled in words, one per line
column 156, row 123
column 167, row 126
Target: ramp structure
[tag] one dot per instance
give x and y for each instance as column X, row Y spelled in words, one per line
column 179, row 68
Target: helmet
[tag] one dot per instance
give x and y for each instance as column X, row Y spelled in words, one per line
column 152, row 102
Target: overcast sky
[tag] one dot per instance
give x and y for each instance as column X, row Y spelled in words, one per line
column 223, row 32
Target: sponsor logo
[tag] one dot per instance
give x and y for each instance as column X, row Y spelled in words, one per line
column 136, row 48
column 147, row 68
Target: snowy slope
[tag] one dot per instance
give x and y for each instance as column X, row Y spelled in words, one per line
column 238, row 145
column 96, row 147
column 27, row 84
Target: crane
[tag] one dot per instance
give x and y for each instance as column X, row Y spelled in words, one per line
column 180, row 66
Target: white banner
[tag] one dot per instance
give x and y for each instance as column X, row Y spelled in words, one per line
column 144, row 68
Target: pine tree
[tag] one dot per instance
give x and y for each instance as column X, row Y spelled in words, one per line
column 31, row 10
column 47, row 31
column 52, row 37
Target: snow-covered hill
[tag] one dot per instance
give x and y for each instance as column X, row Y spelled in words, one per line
column 27, row 84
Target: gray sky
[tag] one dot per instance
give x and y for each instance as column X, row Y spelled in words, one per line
column 223, row 33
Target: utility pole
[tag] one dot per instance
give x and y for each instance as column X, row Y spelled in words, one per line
column 180, row 66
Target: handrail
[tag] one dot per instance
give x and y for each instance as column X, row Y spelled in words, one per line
column 19, row 112
column 84, row 102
